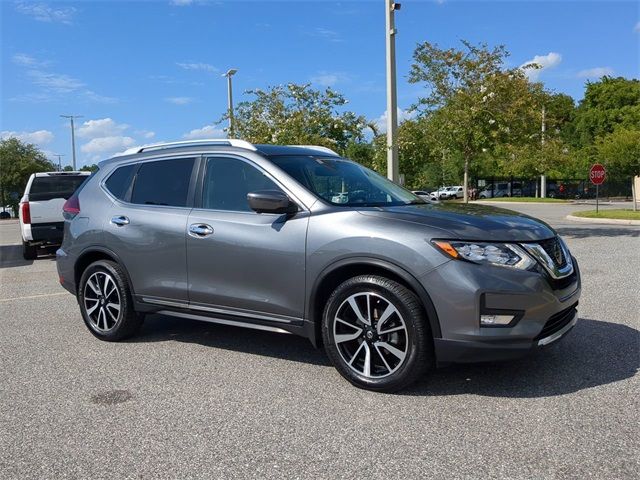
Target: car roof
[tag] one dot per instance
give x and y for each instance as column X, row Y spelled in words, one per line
column 61, row 174
column 219, row 145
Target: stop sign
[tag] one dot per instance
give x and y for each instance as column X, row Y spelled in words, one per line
column 597, row 174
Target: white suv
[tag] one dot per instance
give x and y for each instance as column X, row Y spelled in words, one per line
column 41, row 220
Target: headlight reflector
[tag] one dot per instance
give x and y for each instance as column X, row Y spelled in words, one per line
column 500, row 254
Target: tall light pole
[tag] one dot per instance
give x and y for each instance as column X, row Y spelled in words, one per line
column 73, row 136
column 392, row 99
column 230, row 73
column 543, row 177
column 59, row 155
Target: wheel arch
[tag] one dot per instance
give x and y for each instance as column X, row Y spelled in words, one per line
column 93, row 254
column 342, row 270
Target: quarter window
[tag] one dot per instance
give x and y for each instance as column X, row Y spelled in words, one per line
column 120, row 180
column 164, row 182
column 228, row 181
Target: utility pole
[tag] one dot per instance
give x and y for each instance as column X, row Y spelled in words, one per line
column 59, row 155
column 73, row 136
column 230, row 73
column 392, row 99
column 543, row 177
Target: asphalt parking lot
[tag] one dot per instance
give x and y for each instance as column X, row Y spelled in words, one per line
column 186, row 399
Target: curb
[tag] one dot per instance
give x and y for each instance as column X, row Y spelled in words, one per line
column 603, row 221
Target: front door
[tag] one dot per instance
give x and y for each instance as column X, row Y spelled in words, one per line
column 241, row 262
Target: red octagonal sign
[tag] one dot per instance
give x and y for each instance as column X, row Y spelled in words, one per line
column 597, row 174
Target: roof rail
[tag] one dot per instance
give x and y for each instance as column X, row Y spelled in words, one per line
column 317, row 147
column 231, row 142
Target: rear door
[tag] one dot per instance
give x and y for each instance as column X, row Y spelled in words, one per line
column 48, row 193
column 146, row 226
column 244, row 263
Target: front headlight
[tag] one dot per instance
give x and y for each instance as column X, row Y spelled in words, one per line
column 500, row 254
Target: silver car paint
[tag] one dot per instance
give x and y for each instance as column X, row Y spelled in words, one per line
column 268, row 266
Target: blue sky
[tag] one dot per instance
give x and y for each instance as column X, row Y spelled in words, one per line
column 142, row 72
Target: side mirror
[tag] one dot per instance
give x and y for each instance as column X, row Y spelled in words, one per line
column 271, row 201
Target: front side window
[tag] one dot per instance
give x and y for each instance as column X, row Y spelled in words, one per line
column 227, row 182
column 343, row 182
column 163, row 182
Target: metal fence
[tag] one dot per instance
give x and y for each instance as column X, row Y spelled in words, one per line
column 496, row 187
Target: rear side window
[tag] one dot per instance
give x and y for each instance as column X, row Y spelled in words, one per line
column 120, row 180
column 164, row 182
column 54, row 186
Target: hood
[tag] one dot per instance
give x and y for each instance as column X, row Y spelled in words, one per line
column 470, row 221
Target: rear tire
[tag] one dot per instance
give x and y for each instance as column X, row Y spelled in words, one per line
column 29, row 252
column 106, row 303
column 376, row 334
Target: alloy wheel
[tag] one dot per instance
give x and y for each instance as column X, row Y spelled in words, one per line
column 102, row 301
column 370, row 335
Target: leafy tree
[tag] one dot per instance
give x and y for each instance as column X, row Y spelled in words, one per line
column 18, row 160
column 474, row 104
column 608, row 104
column 89, row 168
column 298, row 114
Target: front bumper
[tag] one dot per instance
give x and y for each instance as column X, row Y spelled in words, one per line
column 461, row 291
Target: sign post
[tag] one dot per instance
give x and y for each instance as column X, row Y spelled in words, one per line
column 597, row 174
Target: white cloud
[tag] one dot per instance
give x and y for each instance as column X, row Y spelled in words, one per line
column 637, row 28
column 180, row 3
column 39, row 137
column 44, row 13
column 381, row 122
column 208, row 131
column 106, row 146
column 329, row 79
column 543, row 62
column 146, row 133
column 327, row 34
column 179, row 100
column 25, row 60
column 57, row 82
column 104, row 127
column 204, row 67
column 595, row 72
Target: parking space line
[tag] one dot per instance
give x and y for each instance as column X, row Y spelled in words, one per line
column 33, row 296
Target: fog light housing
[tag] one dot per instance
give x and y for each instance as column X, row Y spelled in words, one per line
column 495, row 320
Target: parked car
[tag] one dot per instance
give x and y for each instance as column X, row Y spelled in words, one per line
column 40, row 212
column 251, row 235
column 422, row 194
column 440, row 194
column 502, row 189
column 453, row 192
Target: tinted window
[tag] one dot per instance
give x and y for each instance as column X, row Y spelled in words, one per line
column 165, row 182
column 55, row 186
column 119, row 181
column 228, row 181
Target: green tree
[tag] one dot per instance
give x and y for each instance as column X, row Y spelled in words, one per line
column 620, row 152
column 89, row 168
column 608, row 104
column 298, row 115
column 18, row 160
column 473, row 103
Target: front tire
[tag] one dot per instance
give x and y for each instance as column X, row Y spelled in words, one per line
column 106, row 302
column 376, row 334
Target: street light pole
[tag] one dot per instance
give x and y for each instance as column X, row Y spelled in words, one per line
column 543, row 177
column 73, row 136
column 392, row 99
column 230, row 73
column 59, row 155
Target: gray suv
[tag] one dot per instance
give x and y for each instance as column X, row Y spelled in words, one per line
column 296, row 239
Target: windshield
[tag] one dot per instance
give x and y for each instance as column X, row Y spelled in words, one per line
column 343, row 182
